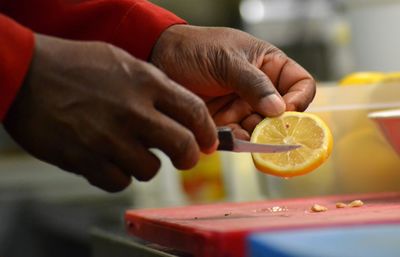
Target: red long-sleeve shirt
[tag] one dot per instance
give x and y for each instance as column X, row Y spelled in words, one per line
column 133, row 25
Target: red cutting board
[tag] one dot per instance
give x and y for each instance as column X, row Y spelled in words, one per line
column 220, row 230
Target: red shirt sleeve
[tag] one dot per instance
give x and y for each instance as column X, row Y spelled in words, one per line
column 16, row 47
column 133, row 25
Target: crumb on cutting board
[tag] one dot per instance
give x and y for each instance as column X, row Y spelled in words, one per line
column 341, row 205
column 356, row 203
column 318, row 208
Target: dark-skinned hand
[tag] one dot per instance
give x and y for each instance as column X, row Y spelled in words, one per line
column 92, row 109
column 242, row 78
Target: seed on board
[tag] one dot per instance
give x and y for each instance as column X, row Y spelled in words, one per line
column 341, row 205
column 356, row 203
column 318, row 208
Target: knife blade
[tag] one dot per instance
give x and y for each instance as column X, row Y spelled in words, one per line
column 228, row 142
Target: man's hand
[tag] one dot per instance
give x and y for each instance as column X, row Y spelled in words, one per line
column 240, row 77
column 92, row 109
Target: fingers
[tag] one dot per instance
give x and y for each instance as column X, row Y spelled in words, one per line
column 116, row 143
column 256, row 88
column 134, row 159
column 110, row 158
column 97, row 170
column 172, row 138
column 215, row 104
column 277, row 75
column 232, row 112
column 250, row 122
column 107, row 177
column 295, row 84
column 191, row 112
column 300, row 95
column 239, row 132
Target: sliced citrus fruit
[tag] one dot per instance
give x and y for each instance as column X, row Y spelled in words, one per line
column 304, row 129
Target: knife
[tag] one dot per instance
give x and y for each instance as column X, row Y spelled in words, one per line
column 228, row 142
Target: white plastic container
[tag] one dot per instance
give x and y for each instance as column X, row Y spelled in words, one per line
column 375, row 38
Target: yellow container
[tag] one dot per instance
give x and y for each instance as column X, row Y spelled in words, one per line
column 362, row 160
column 204, row 182
column 370, row 78
column 363, row 78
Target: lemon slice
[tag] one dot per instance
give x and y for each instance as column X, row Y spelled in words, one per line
column 305, row 129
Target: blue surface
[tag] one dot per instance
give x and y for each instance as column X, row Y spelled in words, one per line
column 359, row 241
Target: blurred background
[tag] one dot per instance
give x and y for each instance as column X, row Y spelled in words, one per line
column 52, row 212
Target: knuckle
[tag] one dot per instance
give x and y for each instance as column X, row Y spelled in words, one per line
column 132, row 111
column 262, row 48
column 273, row 50
column 118, row 53
column 96, row 141
column 142, row 73
column 199, row 110
column 107, row 45
column 279, row 53
column 149, row 75
column 100, row 45
column 145, row 78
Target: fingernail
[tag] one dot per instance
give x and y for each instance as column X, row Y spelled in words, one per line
column 273, row 105
column 212, row 149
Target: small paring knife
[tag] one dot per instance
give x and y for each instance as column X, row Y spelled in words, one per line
column 228, row 142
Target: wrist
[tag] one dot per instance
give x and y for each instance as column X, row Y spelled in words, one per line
column 169, row 42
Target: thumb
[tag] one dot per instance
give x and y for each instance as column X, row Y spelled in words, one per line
column 256, row 88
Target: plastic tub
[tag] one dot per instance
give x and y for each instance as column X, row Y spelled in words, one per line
column 362, row 160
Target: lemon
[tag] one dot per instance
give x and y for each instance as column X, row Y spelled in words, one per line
column 304, row 129
column 362, row 78
column 368, row 78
